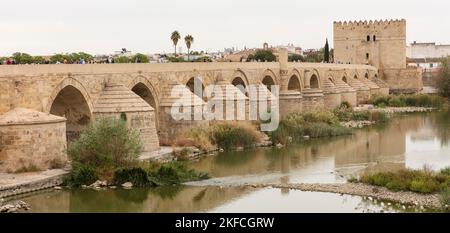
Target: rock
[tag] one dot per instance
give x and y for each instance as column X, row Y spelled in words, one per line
column 279, row 145
column 57, row 188
column 127, row 185
column 221, row 150
column 5, row 208
column 12, row 210
column 289, row 139
column 112, row 187
column 240, row 148
column 98, row 184
column 306, row 137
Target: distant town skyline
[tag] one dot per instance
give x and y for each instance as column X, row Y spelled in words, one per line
column 47, row 27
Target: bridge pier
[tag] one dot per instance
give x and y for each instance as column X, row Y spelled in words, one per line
column 119, row 102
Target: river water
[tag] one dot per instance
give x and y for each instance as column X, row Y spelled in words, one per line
column 412, row 141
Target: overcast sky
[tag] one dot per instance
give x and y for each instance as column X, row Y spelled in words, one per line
column 42, row 27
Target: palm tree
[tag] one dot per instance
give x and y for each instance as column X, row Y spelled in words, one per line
column 188, row 40
column 175, row 37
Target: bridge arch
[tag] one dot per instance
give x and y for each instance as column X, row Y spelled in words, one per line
column 345, row 77
column 145, row 89
column 268, row 78
column 239, row 80
column 190, row 84
column 314, row 80
column 71, row 100
column 294, row 83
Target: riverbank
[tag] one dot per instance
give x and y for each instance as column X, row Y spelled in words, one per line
column 15, row 184
column 357, row 189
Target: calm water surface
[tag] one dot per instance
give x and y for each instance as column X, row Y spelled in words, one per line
column 411, row 141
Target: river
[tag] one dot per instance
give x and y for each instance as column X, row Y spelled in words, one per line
column 412, row 141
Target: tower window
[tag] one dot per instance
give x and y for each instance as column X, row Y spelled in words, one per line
column 368, row 38
column 367, row 55
column 374, row 38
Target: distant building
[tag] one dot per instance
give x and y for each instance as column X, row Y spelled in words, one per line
column 427, row 50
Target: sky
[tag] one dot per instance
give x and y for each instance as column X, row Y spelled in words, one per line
column 45, row 27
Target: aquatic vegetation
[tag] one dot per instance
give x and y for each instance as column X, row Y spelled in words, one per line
column 416, row 100
column 420, row 181
column 228, row 136
column 156, row 174
column 296, row 126
column 232, row 135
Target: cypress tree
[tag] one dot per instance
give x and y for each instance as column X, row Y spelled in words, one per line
column 326, row 55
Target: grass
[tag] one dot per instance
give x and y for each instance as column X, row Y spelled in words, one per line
column 313, row 124
column 153, row 174
column 416, row 100
column 228, row 136
column 232, row 135
column 345, row 114
column 422, row 181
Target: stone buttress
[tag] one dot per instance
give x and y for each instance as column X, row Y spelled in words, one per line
column 119, row 102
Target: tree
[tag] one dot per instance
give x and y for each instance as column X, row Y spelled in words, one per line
column 326, row 55
column 121, row 59
column 296, row 57
column 85, row 56
column 38, row 60
column 140, row 58
column 175, row 37
column 22, row 58
column 58, row 58
column 188, row 40
column 262, row 55
column 444, row 78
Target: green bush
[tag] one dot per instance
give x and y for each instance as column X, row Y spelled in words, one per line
column 424, row 185
column 106, row 145
column 421, row 181
column 229, row 135
column 416, row 100
column 81, row 175
column 444, row 198
column 175, row 173
column 313, row 124
column 137, row 175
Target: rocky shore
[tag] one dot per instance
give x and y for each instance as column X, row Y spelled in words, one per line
column 364, row 190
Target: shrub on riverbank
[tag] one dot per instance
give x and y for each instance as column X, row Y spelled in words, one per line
column 295, row 126
column 420, row 181
column 106, row 145
column 196, row 137
column 156, row 174
column 108, row 150
column 347, row 114
column 232, row 135
column 228, row 135
column 418, row 100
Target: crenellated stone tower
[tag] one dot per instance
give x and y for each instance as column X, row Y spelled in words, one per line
column 381, row 44
column 378, row 43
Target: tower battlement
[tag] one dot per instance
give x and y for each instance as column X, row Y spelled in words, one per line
column 370, row 22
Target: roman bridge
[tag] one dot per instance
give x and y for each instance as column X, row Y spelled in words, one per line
column 141, row 92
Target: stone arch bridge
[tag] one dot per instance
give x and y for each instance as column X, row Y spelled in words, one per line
column 142, row 91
